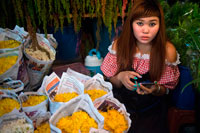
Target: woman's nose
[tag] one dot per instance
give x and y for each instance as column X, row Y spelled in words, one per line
column 145, row 30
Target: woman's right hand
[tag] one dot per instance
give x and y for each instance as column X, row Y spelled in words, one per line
column 125, row 77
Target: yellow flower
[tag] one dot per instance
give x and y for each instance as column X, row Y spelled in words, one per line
column 9, row 44
column 6, row 63
column 65, row 97
column 7, row 105
column 43, row 128
column 95, row 93
column 34, row 100
column 78, row 121
column 7, row 88
column 114, row 121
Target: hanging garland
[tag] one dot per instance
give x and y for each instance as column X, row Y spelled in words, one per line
column 54, row 12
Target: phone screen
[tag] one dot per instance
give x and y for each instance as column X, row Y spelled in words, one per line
column 148, row 85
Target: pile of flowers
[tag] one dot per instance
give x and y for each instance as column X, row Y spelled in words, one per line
column 6, row 63
column 17, row 126
column 34, row 100
column 65, row 97
column 43, row 128
column 7, row 105
column 78, row 121
column 95, row 93
column 9, row 44
column 7, row 88
column 114, row 121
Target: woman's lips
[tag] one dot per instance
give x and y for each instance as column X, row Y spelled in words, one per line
column 144, row 38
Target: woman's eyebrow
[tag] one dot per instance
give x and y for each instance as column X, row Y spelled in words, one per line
column 153, row 20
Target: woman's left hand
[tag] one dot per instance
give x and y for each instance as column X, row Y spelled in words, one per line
column 144, row 90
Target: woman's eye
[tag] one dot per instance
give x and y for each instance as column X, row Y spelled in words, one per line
column 139, row 23
column 152, row 24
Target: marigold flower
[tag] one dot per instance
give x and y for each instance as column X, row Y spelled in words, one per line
column 78, row 121
column 9, row 44
column 34, row 100
column 6, row 63
column 95, row 93
column 114, row 121
column 65, row 97
column 7, row 105
column 43, row 128
column 6, row 88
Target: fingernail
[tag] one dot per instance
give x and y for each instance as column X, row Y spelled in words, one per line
column 135, row 82
column 135, row 78
column 135, row 85
column 140, row 76
column 139, row 84
column 134, row 89
column 155, row 82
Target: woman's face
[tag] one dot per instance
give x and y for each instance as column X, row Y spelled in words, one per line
column 145, row 29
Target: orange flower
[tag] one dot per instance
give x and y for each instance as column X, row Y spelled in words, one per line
column 7, row 105
column 114, row 121
column 65, row 97
column 78, row 121
column 43, row 128
column 95, row 93
column 34, row 100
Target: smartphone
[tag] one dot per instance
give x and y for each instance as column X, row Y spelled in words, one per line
column 148, row 85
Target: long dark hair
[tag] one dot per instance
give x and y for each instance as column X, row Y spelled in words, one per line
column 126, row 43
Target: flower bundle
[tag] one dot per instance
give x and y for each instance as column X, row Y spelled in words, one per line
column 17, row 126
column 34, row 100
column 114, row 121
column 43, row 128
column 78, row 121
column 9, row 44
column 6, row 63
column 95, row 93
column 7, row 105
column 65, row 97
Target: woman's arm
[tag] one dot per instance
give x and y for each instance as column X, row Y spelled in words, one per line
column 124, row 78
column 116, row 82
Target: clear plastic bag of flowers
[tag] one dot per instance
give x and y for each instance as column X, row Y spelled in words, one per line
column 77, row 115
column 116, row 118
column 9, row 102
column 97, row 87
column 16, row 123
column 12, row 85
column 34, row 104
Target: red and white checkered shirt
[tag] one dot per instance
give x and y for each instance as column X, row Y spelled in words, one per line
column 141, row 65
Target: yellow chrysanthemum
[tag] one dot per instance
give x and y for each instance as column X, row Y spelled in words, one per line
column 65, row 97
column 34, row 100
column 9, row 44
column 78, row 121
column 6, row 63
column 114, row 121
column 43, row 128
column 95, row 93
column 7, row 105
column 6, row 88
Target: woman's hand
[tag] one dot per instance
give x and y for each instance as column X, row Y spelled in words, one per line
column 156, row 90
column 125, row 77
column 144, row 90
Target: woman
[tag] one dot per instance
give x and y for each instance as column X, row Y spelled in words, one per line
column 142, row 54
